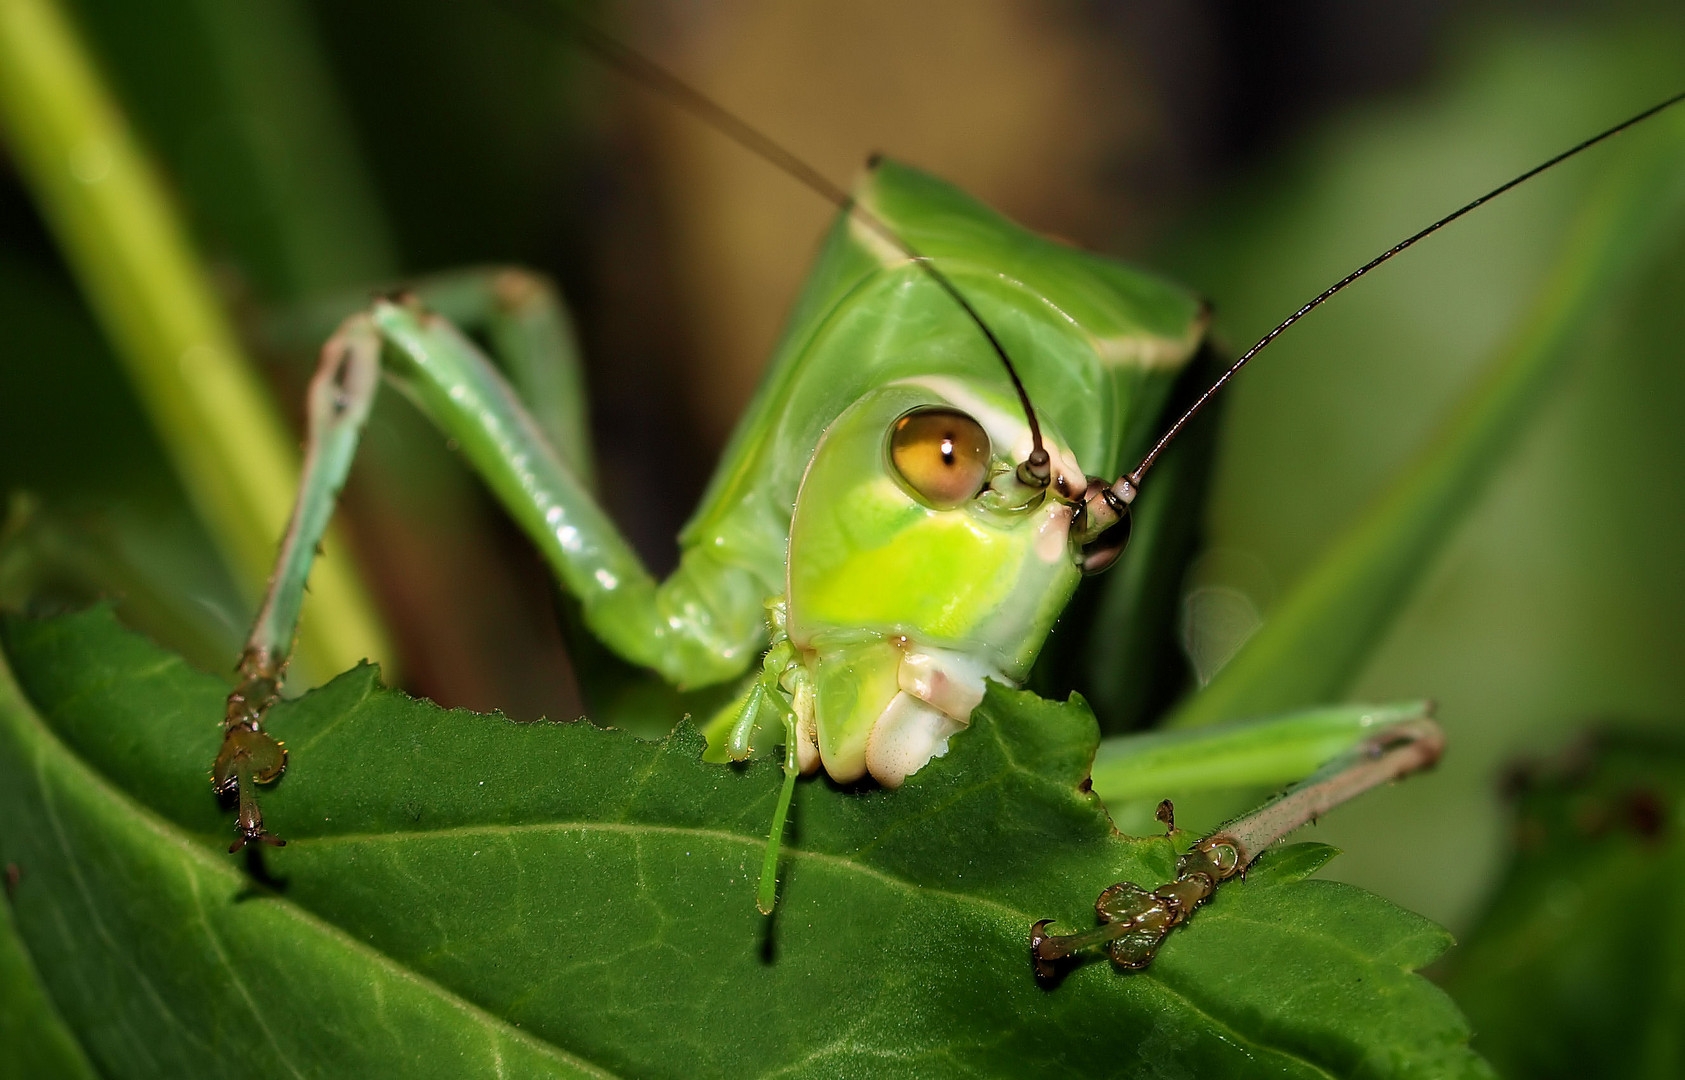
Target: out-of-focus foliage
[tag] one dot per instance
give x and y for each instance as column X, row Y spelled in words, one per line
column 107, row 207
column 1564, row 596
column 1577, row 968
column 71, row 432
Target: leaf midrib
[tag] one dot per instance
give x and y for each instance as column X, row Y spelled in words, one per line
column 638, row 828
column 1006, row 910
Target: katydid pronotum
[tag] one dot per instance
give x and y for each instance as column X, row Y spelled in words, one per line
column 935, row 456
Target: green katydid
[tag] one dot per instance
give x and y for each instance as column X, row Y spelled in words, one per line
column 935, row 456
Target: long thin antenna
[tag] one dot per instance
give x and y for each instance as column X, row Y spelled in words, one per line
column 1134, row 478
column 641, row 69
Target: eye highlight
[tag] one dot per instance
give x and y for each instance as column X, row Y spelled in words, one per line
column 942, row 455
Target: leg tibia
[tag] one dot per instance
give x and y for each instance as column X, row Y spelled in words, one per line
column 340, row 395
column 516, row 311
column 1378, row 746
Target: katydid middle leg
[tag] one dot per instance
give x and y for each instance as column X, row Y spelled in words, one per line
column 705, row 623
column 1354, row 748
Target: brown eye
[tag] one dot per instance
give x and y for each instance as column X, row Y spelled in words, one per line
column 941, row 454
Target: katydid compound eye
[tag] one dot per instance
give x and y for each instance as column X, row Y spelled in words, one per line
column 942, row 455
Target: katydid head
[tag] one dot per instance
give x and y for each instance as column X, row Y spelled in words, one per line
column 920, row 564
column 934, row 535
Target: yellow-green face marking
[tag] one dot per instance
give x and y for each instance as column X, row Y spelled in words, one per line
column 917, row 568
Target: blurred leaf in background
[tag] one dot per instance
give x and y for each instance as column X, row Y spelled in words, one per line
column 1577, row 968
column 72, row 433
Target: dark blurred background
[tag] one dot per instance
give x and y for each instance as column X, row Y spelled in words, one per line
column 1255, row 152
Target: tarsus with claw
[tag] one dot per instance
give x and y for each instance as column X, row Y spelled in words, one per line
column 1134, row 922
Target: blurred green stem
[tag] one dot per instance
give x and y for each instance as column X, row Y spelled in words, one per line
column 130, row 251
column 322, row 225
column 1317, row 639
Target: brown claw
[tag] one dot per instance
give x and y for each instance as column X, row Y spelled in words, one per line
column 1047, row 968
column 249, row 756
column 1135, row 922
column 250, row 826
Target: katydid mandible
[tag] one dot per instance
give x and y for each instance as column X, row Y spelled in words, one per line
column 934, row 458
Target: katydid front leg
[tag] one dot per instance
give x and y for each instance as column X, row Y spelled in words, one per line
column 704, row 624
column 338, row 404
column 1383, row 745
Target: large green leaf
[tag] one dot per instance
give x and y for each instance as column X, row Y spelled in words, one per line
column 34, row 1041
column 461, row 891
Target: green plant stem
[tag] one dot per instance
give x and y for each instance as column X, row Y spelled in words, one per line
column 1317, row 639
column 130, row 251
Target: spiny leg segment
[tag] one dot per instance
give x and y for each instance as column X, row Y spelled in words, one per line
column 341, row 394
column 1134, row 921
